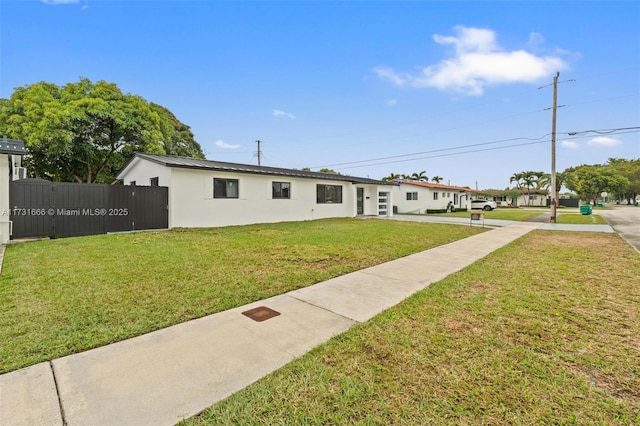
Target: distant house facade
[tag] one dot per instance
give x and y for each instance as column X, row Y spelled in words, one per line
column 417, row 197
column 517, row 197
column 205, row 193
column 537, row 197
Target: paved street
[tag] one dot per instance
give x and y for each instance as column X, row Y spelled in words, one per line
column 625, row 220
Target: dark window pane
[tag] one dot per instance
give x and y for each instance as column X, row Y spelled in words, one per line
column 225, row 188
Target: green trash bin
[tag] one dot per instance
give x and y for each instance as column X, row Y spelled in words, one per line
column 600, row 205
column 585, row 209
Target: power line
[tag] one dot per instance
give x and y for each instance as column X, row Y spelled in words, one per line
column 447, row 155
column 432, row 151
column 396, row 158
column 602, row 131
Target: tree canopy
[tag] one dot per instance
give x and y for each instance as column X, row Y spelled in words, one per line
column 85, row 131
column 630, row 169
column 591, row 180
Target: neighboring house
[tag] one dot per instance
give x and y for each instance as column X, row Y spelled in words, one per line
column 412, row 196
column 204, row 193
column 535, row 197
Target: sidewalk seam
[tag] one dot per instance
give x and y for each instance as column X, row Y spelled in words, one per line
column 55, row 382
column 355, row 321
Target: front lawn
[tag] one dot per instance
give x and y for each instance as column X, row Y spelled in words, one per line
column 501, row 214
column 577, row 218
column 545, row 331
column 64, row 296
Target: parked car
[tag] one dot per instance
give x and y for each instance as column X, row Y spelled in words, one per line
column 483, row 205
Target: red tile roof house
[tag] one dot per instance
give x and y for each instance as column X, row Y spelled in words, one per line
column 205, row 193
column 412, row 196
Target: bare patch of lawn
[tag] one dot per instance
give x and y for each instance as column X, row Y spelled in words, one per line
column 543, row 331
column 64, row 296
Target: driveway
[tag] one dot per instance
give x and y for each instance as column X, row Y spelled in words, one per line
column 625, row 220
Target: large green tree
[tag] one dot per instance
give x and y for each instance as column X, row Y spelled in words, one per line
column 589, row 181
column 177, row 138
column 85, row 131
column 630, row 169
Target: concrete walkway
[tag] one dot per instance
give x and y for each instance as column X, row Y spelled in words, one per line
column 165, row 376
column 491, row 223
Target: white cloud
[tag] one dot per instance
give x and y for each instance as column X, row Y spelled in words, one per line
column 392, row 102
column 223, row 145
column 568, row 145
column 603, row 141
column 478, row 61
column 283, row 114
column 536, row 40
column 57, row 2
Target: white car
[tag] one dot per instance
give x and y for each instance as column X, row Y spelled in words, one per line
column 483, row 205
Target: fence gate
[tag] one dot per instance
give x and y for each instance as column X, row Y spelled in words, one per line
column 53, row 209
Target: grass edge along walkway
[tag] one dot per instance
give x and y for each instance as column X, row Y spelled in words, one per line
column 542, row 331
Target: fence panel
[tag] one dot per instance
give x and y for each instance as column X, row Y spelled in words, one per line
column 30, row 201
column 80, row 209
column 46, row 209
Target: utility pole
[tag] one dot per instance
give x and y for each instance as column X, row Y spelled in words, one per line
column 259, row 152
column 554, row 196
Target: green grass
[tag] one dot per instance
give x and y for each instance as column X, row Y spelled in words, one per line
column 502, row 214
column 543, row 331
column 577, row 218
column 64, row 296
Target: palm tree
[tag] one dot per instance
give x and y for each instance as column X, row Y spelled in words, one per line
column 566, row 178
column 419, row 176
column 516, row 177
column 544, row 181
column 528, row 180
column 437, row 179
column 392, row 176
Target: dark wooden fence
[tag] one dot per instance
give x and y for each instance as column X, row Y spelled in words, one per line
column 565, row 202
column 41, row 208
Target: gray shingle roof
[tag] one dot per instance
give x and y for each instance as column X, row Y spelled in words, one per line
column 12, row 146
column 200, row 164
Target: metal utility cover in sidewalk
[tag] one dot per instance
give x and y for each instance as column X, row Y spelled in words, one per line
column 261, row 313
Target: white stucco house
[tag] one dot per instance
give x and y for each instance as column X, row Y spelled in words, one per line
column 411, row 196
column 537, row 197
column 205, row 193
column 11, row 152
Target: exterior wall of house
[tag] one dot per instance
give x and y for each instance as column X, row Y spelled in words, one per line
column 5, row 224
column 426, row 200
column 192, row 201
column 536, row 200
column 141, row 171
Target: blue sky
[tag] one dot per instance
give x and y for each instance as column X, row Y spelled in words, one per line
column 365, row 88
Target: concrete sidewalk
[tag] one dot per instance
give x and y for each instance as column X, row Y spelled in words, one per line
column 165, row 376
column 492, row 223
